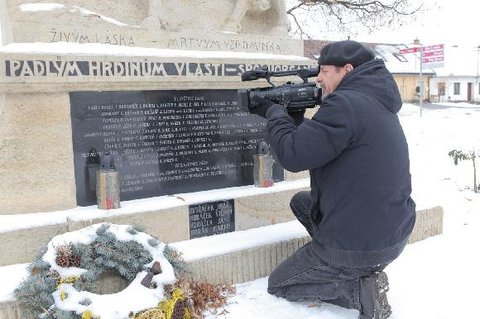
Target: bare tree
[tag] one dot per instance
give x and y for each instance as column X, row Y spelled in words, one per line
column 349, row 17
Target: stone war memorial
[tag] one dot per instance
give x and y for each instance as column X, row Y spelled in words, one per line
column 152, row 85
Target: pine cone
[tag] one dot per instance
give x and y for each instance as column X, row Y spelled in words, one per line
column 75, row 261
column 63, row 261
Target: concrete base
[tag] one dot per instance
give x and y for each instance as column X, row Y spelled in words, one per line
column 245, row 265
column 253, row 262
column 429, row 223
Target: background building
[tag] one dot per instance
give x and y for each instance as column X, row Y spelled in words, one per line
column 458, row 80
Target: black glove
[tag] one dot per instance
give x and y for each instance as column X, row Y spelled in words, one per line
column 297, row 115
column 260, row 105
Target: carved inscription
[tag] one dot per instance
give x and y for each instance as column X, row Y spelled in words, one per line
column 225, row 45
column 211, row 218
column 82, row 37
column 189, row 43
column 72, row 68
column 165, row 142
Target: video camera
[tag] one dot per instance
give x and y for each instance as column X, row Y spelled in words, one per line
column 294, row 97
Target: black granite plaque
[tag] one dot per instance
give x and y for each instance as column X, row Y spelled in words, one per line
column 211, row 218
column 164, row 142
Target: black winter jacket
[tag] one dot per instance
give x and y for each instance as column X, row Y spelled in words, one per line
column 357, row 154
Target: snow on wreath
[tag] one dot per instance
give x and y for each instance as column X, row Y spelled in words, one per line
column 67, row 270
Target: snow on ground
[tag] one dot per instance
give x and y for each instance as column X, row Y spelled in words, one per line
column 437, row 278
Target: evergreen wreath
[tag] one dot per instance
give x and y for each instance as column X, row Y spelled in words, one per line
column 66, row 270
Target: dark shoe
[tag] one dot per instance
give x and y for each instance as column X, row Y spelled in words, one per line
column 373, row 296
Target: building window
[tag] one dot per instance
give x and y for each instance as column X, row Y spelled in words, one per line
column 441, row 88
column 456, row 88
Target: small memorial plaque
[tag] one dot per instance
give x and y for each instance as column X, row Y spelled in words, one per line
column 211, row 218
column 164, row 142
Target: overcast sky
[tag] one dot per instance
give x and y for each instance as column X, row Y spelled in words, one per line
column 452, row 22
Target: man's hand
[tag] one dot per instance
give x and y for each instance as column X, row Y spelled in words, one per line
column 297, row 115
column 261, row 105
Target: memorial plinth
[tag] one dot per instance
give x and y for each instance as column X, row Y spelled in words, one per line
column 174, row 124
column 160, row 98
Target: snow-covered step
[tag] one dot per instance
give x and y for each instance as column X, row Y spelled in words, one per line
column 247, row 255
column 233, row 257
column 242, row 256
column 165, row 217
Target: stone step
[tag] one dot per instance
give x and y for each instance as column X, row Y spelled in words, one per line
column 254, row 253
column 23, row 235
column 271, row 245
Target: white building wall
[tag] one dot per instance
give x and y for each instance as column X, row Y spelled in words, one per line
column 450, row 95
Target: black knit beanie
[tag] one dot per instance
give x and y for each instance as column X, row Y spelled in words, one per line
column 344, row 52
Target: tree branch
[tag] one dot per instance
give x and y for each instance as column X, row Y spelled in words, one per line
column 367, row 13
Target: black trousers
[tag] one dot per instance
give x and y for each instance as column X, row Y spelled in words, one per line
column 306, row 276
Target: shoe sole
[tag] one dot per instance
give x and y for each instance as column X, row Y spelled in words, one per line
column 381, row 281
column 382, row 309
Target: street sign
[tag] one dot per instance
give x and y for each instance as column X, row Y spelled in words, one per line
column 409, row 50
column 431, row 54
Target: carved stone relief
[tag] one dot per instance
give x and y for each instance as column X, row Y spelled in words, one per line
column 270, row 12
column 262, row 17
